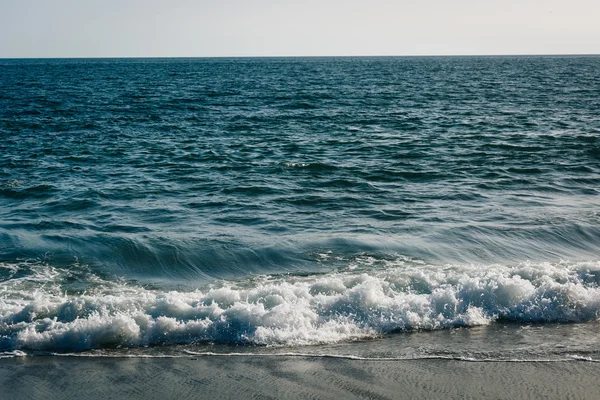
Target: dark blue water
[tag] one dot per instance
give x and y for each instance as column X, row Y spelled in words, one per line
column 294, row 201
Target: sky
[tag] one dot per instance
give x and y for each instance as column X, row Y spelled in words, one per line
column 211, row 28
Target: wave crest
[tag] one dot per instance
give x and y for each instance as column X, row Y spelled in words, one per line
column 36, row 313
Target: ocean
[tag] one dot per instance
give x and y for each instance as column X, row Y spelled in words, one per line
column 356, row 207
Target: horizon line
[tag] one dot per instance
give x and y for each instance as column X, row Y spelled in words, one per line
column 307, row 56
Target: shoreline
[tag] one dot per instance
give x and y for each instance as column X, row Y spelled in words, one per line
column 51, row 377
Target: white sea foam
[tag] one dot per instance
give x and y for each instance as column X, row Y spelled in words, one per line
column 405, row 358
column 35, row 313
column 12, row 354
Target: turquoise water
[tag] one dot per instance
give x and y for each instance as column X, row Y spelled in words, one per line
column 295, row 201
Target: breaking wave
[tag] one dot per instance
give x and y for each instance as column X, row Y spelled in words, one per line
column 40, row 311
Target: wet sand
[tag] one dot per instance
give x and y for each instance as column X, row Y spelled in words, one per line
column 292, row 378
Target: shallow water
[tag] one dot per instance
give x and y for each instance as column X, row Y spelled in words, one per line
column 295, row 201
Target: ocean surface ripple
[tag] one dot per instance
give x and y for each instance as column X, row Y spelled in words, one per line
column 292, row 201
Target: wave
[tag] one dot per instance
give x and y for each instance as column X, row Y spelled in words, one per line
column 408, row 358
column 43, row 310
column 347, row 357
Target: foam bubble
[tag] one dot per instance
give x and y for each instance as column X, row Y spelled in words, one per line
column 36, row 313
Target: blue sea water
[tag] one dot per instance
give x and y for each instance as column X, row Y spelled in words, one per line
column 285, row 202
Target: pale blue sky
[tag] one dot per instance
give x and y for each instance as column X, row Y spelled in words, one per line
column 152, row 28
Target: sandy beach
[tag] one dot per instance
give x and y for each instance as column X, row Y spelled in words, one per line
column 295, row 378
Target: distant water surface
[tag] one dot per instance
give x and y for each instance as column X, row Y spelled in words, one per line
column 297, row 201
